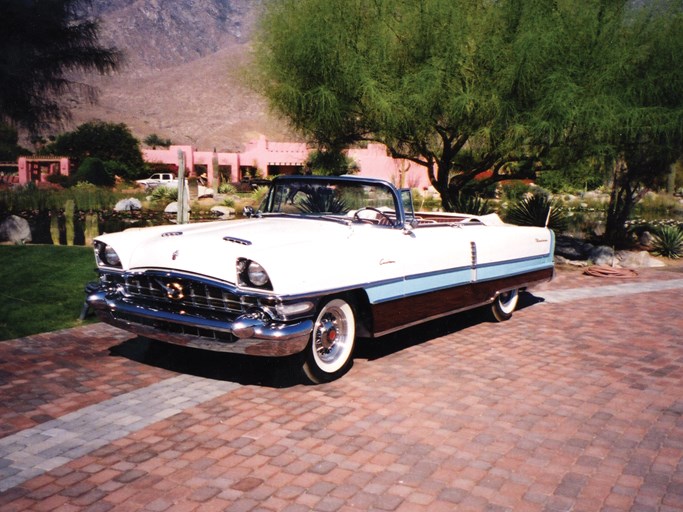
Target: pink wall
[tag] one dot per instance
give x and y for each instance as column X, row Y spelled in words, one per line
column 375, row 162
column 263, row 154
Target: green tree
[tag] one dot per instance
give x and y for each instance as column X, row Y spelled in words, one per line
column 10, row 149
column 465, row 87
column 448, row 84
column 42, row 43
column 330, row 162
column 105, row 141
column 620, row 97
column 93, row 170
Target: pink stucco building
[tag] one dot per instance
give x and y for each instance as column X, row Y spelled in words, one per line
column 263, row 158
column 36, row 169
column 260, row 158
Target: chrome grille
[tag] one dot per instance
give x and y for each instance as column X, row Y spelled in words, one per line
column 180, row 293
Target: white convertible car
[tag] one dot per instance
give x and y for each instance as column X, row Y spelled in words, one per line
column 325, row 259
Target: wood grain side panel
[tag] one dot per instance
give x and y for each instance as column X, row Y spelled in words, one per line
column 392, row 315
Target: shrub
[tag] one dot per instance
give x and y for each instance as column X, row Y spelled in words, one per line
column 533, row 211
column 668, row 242
column 424, row 202
column 259, row 194
column 515, row 190
column 470, row 204
column 94, row 171
column 115, row 168
column 164, row 194
column 227, row 188
column 58, row 179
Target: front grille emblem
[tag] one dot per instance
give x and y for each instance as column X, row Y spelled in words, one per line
column 174, row 291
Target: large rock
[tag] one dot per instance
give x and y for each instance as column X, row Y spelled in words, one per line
column 223, row 212
column 127, row 205
column 172, row 208
column 603, row 255
column 15, row 229
column 572, row 248
column 638, row 259
column 646, row 239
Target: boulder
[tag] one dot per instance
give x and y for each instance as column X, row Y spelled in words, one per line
column 572, row 248
column 603, row 255
column 638, row 259
column 15, row 229
column 171, row 207
column 223, row 212
column 646, row 239
column 127, row 205
column 203, row 191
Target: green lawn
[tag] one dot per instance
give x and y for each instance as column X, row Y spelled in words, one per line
column 42, row 287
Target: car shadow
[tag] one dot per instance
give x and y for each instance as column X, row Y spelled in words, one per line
column 277, row 372
column 371, row 349
column 283, row 372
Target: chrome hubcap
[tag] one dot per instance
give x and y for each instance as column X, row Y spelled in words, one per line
column 328, row 336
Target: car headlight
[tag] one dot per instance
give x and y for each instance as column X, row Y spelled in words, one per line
column 257, row 274
column 252, row 274
column 106, row 255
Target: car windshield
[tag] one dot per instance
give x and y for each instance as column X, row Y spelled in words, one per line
column 328, row 196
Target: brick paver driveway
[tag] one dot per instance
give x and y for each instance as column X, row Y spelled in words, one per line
column 574, row 404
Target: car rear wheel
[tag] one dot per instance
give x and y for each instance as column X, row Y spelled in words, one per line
column 329, row 352
column 504, row 305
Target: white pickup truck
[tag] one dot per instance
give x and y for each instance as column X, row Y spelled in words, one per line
column 167, row 179
column 159, row 179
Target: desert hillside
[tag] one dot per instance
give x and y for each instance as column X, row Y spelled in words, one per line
column 186, row 73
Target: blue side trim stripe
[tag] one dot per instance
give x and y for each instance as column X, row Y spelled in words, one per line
column 434, row 281
column 512, row 267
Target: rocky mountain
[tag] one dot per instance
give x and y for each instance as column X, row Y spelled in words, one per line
column 186, row 72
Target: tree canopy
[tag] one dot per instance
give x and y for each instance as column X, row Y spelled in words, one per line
column 620, row 97
column 42, row 42
column 108, row 142
column 467, row 87
column 10, row 149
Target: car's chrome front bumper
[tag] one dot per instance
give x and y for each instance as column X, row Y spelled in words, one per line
column 247, row 334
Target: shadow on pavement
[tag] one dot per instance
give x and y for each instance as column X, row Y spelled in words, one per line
column 277, row 372
column 283, row 372
column 377, row 348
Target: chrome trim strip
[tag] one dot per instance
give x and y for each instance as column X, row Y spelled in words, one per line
column 235, row 240
column 253, row 335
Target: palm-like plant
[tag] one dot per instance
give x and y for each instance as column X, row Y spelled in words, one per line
column 470, row 204
column 668, row 242
column 322, row 200
column 538, row 210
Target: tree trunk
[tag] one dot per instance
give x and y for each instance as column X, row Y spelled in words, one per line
column 622, row 201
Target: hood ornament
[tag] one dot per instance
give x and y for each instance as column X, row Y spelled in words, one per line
column 175, row 255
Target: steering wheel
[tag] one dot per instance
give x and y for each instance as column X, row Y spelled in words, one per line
column 384, row 219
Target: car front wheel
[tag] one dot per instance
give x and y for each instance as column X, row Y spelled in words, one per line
column 328, row 355
column 504, row 305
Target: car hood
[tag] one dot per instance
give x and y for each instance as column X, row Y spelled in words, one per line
column 211, row 249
